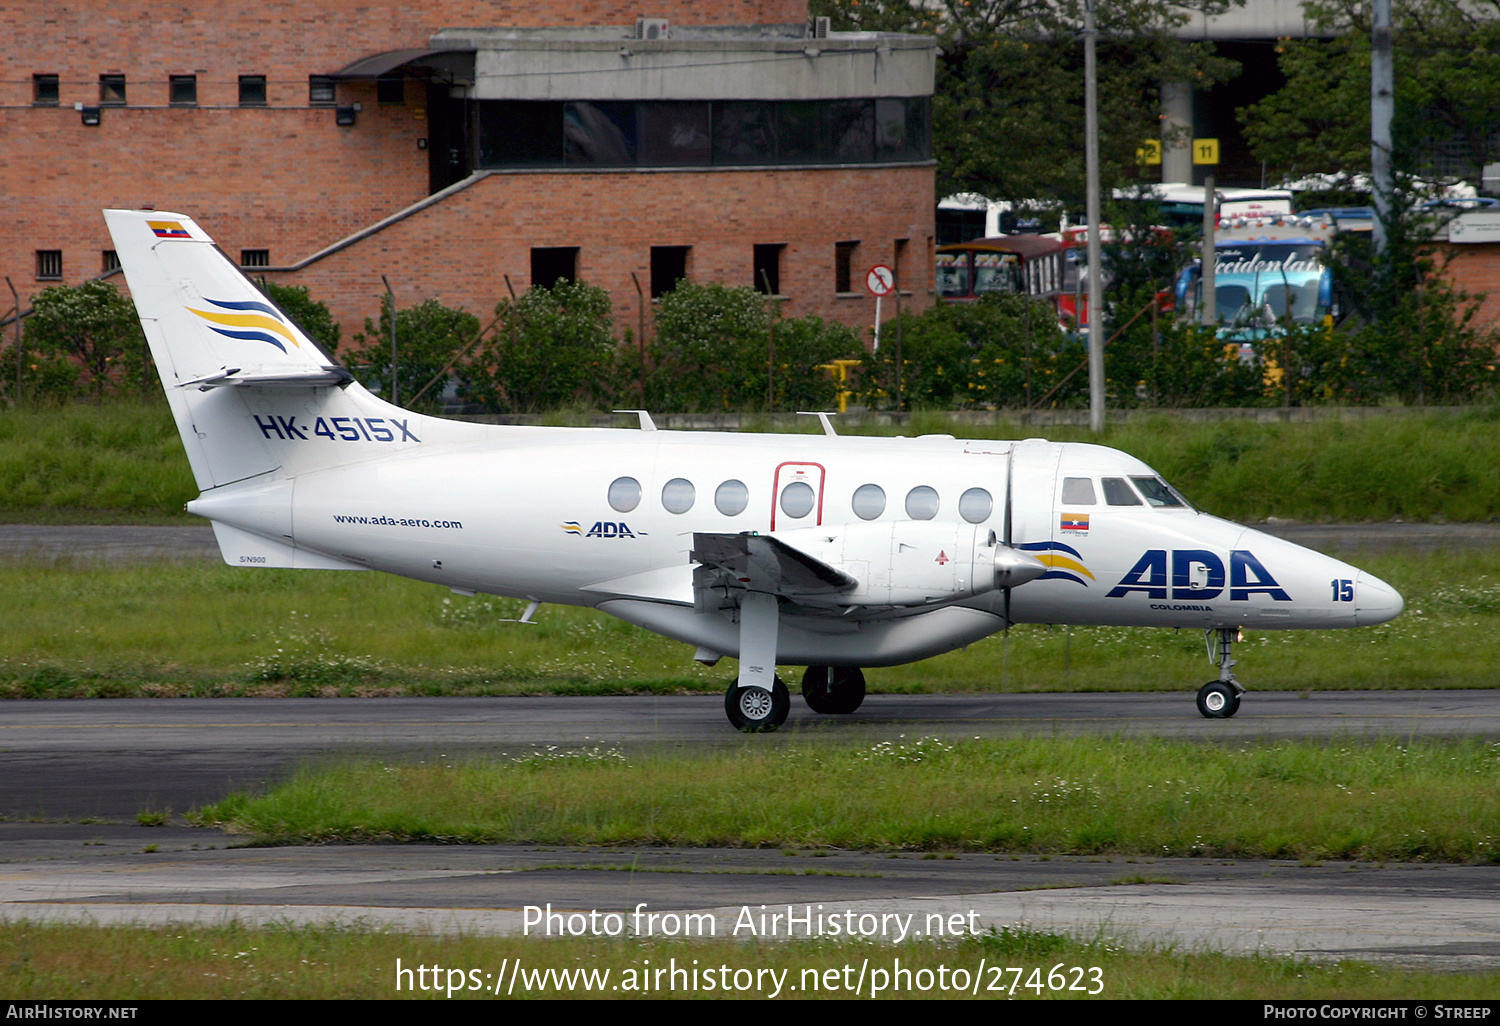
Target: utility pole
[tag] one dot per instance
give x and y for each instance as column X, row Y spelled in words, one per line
column 390, row 300
column 1208, row 303
column 1382, row 108
column 1096, row 272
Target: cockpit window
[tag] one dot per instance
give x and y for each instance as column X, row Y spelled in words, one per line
column 1117, row 492
column 1157, row 491
column 1078, row 491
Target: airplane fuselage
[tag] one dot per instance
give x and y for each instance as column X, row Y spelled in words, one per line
column 835, row 553
column 608, row 517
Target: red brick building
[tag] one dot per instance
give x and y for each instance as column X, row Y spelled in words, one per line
column 328, row 144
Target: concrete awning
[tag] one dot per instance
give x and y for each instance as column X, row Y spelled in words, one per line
column 384, row 63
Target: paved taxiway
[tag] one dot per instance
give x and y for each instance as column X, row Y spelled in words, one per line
column 74, row 774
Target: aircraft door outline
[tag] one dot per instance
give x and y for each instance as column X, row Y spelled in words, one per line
column 790, row 473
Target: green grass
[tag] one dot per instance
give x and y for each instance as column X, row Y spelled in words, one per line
column 126, row 963
column 122, row 462
column 100, row 630
column 1381, row 800
column 119, row 462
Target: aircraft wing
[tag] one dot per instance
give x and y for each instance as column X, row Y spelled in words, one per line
column 731, row 564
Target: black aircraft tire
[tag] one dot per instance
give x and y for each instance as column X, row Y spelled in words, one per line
column 754, row 711
column 833, row 689
column 1218, row 701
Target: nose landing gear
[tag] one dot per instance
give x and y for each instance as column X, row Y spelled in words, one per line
column 1220, row 699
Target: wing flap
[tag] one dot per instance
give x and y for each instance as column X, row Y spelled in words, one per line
column 759, row 562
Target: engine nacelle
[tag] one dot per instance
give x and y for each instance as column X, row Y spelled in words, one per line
column 912, row 563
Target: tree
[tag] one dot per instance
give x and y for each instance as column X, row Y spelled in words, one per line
column 556, row 348
column 714, row 346
column 97, row 329
column 1003, row 350
column 1447, row 64
column 1008, row 112
column 428, row 337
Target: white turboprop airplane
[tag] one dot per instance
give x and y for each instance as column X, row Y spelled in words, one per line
column 815, row 550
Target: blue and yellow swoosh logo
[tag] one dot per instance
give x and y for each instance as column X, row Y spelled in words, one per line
column 572, row 527
column 249, row 319
column 1064, row 561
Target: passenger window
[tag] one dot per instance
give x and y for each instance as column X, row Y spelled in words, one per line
column 975, row 505
column 1078, row 491
column 1157, row 492
column 624, row 494
column 797, row 499
column 1117, row 492
column 922, row 503
column 677, row 495
column 731, row 498
column 869, row 501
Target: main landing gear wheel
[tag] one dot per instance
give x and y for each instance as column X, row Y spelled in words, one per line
column 756, row 710
column 1217, row 700
column 833, row 689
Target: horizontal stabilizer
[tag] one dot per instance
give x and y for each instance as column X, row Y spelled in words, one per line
column 311, row 377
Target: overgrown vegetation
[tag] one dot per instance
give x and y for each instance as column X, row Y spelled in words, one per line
column 204, row 629
column 122, row 462
column 1377, row 800
column 178, row 962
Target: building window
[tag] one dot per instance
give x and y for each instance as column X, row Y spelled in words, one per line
column 182, row 90
column 668, row 267
column 320, row 91
column 768, row 268
column 390, row 90
column 551, row 264
column 843, row 266
column 252, row 90
column 44, row 90
column 112, row 90
column 898, row 264
column 49, row 265
column 110, row 261
column 694, row 133
column 255, row 258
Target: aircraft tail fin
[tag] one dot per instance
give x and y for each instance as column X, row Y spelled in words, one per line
column 251, row 393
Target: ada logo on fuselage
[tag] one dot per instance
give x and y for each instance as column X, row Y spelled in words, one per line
column 601, row 529
column 1246, row 576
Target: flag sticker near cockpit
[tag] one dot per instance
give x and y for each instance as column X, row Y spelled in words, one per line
column 1077, row 523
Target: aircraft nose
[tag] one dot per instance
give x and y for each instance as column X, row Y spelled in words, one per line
column 1376, row 601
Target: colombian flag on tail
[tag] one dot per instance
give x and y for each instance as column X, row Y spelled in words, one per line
column 168, row 230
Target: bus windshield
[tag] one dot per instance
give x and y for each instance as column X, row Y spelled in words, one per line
column 1260, row 282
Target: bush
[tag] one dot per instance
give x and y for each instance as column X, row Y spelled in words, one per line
column 84, row 335
column 428, row 337
column 713, row 348
column 1000, row 351
column 556, row 348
